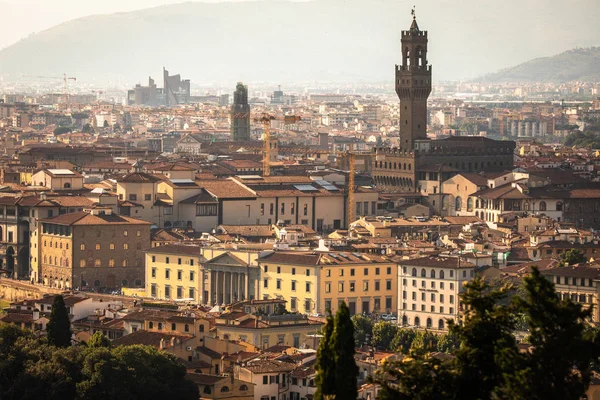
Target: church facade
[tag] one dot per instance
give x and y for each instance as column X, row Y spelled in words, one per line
column 401, row 168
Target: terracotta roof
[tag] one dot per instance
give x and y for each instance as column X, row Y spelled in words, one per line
column 138, row 177
column 438, row 262
column 84, row 218
column 202, row 197
column 267, row 366
column 226, row 189
column 149, row 338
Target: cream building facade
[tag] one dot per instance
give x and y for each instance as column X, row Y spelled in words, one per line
column 429, row 289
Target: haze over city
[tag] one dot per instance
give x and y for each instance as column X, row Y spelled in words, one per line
column 311, row 200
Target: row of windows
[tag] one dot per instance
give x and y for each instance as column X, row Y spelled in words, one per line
column 432, row 297
column 191, row 292
column 388, row 271
column 179, row 274
column 428, row 323
column 432, row 308
column 567, row 280
column 186, row 327
column 179, row 260
column 352, row 286
column 424, row 284
column 111, row 263
column 385, row 165
column 278, row 268
column 57, row 245
column 581, row 298
column 98, row 246
column 293, row 285
column 365, row 304
column 441, row 275
column 133, row 197
column 282, row 209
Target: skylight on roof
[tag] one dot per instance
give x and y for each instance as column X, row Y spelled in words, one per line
column 61, row 172
column 327, row 185
column 182, row 181
column 249, row 177
column 306, row 188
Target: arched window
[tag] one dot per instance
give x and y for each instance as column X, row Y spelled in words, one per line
column 111, row 262
column 417, row 321
column 125, row 262
column 138, row 282
column 124, row 282
column 477, row 203
column 207, row 390
column 201, row 328
column 442, row 274
column 66, row 262
column 458, row 203
column 559, row 206
column 526, row 206
column 150, row 325
column 470, row 204
column 542, row 206
column 82, row 263
column 582, row 298
column 432, row 273
column 423, row 273
column 97, row 263
column 414, row 272
column 404, row 320
column 67, row 185
column 243, row 388
column 224, row 389
column 429, row 323
column 173, row 326
column 441, row 324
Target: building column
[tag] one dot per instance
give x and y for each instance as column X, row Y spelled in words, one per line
column 240, row 283
column 224, row 288
column 231, row 287
column 217, row 287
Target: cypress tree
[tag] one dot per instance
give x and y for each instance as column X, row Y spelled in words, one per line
column 325, row 365
column 346, row 371
column 59, row 326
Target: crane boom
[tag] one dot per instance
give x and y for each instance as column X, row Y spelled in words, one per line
column 266, row 121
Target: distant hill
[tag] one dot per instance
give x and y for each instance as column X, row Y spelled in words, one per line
column 581, row 64
column 299, row 41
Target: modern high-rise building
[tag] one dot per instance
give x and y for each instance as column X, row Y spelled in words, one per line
column 418, row 159
column 176, row 90
column 240, row 114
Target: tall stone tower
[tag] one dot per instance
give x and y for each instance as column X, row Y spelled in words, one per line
column 413, row 86
column 240, row 114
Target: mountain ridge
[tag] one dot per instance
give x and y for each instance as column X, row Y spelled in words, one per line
column 578, row 64
column 278, row 40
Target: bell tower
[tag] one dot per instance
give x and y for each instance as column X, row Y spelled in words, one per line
column 413, row 85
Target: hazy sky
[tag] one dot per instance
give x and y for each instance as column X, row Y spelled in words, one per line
column 23, row 17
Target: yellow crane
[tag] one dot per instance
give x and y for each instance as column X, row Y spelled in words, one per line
column 266, row 119
column 65, row 80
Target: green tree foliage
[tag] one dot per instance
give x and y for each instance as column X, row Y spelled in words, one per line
column 363, row 328
column 87, row 128
column 403, row 340
column 418, row 376
column 106, row 124
column 488, row 363
column 580, row 139
column 61, row 130
column 325, row 365
column 383, row 335
column 59, row 326
column 342, row 343
column 488, row 347
column 425, row 341
column 571, row 257
column 98, row 340
column 32, row 369
column 563, row 349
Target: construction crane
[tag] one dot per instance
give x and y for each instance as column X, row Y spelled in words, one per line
column 65, row 80
column 266, row 119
